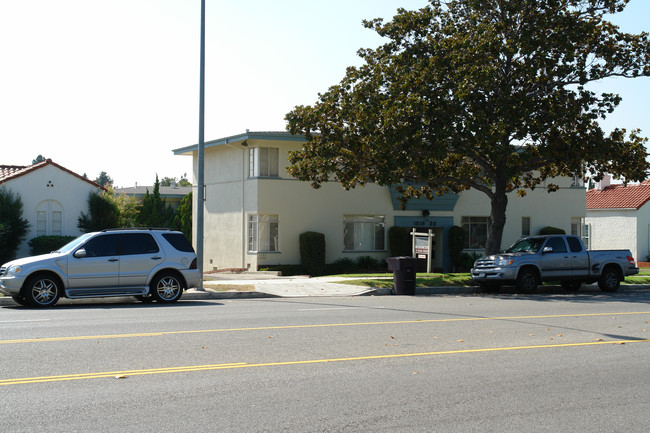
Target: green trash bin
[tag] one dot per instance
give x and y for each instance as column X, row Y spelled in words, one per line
column 404, row 272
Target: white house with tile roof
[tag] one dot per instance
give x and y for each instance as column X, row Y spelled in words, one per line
column 255, row 211
column 618, row 217
column 53, row 198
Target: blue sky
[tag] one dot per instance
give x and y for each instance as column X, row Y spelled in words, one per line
column 112, row 85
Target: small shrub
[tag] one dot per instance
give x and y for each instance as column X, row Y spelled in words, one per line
column 47, row 244
column 312, row 252
column 344, row 265
column 456, row 243
column 548, row 230
column 286, row 270
column 467, row 261
column 399, row 241
column 367, row 263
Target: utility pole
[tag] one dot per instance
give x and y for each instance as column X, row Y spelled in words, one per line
column 201, row 175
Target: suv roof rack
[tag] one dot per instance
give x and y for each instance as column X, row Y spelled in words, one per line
column 137, row 228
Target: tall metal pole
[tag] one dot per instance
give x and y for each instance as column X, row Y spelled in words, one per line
column 201, row 180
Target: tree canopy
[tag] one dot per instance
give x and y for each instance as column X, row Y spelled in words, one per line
column 154, row 211
column 490, row 95
column 104, row 179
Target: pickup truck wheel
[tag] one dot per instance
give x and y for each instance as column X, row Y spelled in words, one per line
column 526, row 281
column 571, row 286
column 166, row 288
column 41, row 290
column 609, row 280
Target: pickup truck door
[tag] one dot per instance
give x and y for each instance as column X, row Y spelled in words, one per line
column 579, row 257
column 555, row 263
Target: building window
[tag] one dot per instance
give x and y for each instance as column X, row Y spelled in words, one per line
column 49, row 218
column 263, row 162
column 586, row 235
column 576, row 225
column 263, row 233
column 41, row 223
column 476, row 230
column 525, row 226
column 363, row 233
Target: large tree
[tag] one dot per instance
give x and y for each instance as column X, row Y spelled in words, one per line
column 484, row 94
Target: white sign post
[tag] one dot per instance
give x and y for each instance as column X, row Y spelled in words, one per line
column 423, row 246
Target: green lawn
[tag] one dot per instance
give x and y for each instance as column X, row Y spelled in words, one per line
column 422, row 280
column 462, row 279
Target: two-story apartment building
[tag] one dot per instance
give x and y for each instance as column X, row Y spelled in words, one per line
column 255, row 211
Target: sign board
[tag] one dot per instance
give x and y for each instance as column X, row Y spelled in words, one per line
column 421, row 245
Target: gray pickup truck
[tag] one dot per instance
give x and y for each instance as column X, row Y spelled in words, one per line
column 535, row 259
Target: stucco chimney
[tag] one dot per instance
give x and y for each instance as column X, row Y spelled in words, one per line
column 605, row 182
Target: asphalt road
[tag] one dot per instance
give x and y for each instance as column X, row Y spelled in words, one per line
column 548, row 362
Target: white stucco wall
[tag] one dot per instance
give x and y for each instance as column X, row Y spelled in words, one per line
column 618, row 229
column 232, row 196
column 70, row 192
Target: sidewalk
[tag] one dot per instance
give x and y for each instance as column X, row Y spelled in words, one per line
column 261, row 285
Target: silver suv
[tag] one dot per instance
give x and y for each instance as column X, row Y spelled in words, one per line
column 150, row 264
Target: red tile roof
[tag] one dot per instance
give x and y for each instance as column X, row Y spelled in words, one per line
column 619, row 196
column 9, row 172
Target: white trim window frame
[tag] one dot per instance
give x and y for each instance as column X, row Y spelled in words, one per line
column 364, row 233
column 263, row 233
column 263, row 162
column 49, row 218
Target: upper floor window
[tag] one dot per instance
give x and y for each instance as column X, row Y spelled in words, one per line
column 476, row 231
column 263, row 162
column 363, row 233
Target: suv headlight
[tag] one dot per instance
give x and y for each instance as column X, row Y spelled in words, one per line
column 504, row 262
column 14, row 270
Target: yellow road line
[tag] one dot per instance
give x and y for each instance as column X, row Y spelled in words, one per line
column 195, row 368
column 326, row 325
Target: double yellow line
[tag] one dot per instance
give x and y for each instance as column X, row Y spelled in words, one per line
column 124, row 374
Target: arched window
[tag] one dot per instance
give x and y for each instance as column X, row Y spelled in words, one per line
column 49, row 218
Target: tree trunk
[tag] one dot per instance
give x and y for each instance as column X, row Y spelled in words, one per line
column 497, row 220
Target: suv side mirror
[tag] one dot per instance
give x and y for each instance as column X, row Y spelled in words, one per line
column 547, row 250
column 80, row 253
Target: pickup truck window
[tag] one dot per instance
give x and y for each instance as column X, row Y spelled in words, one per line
column 557, row 244
column 531, row 245
column 574, row 244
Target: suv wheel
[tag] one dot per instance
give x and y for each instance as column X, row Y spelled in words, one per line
column 166, row 288
column 42, row 290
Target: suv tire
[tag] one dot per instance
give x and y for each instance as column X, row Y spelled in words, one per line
column 41, row 290
column 166, row 288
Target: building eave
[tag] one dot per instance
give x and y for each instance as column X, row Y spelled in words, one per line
column 240, row 138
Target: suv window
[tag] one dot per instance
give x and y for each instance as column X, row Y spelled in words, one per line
column 138, row 243
column 179, row 241
column 101, row 246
